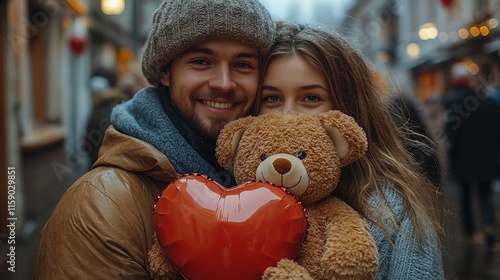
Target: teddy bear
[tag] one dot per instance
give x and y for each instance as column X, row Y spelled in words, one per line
column 305, row 155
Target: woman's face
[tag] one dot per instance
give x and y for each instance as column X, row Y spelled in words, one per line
column 293, row 84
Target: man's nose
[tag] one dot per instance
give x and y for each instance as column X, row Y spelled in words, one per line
column 222, row 79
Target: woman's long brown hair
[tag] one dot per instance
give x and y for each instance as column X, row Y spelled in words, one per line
column 354, row 91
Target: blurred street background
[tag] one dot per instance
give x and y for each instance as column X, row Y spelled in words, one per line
column 65, row 63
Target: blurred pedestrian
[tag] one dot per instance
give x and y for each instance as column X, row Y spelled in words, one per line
column 435, row 118
column 422, row 147
column 104, row 97
column 496, row 94
column 473, row 130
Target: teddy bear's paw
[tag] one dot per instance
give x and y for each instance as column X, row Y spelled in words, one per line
column 347, row 270
column 159, row 267
column 352, row 277
column 286, row 269
column 351, row 273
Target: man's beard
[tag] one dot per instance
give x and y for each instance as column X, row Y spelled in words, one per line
column 207, row 128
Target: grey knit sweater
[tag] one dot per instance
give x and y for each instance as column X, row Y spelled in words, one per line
column 405, row 259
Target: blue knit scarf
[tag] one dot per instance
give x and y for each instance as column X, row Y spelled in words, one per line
column 150, row 117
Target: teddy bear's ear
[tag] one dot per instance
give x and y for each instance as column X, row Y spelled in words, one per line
column 229, row 139
column 347, row 136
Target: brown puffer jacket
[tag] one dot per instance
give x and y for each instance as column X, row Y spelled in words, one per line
column 102, row 228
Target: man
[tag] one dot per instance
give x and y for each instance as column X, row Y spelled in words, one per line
column 202, row 58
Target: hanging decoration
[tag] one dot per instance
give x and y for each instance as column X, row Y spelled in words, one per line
column 78, row 36
column 447, row 3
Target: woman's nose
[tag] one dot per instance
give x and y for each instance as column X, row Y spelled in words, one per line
column 289, row 106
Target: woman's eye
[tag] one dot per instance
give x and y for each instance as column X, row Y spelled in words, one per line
column 312, row 98
column 271, row 99
column 301, row 155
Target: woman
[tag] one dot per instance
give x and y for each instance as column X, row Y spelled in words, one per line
column 311, row 70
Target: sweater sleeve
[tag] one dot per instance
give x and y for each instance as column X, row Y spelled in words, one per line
column 405, row 258
column 100, row 229
column 409, row 261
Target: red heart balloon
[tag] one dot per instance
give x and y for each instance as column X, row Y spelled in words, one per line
column 211, row 232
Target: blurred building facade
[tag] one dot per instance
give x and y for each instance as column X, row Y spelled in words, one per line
column 49, row 49
column 420, row 40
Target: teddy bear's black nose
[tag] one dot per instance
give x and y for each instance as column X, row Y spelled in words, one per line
column 282, row 165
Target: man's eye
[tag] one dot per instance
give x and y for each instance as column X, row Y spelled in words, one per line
column 244, row 65
column 199, row 61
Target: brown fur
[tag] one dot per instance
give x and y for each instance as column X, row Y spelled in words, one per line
column 159, row 267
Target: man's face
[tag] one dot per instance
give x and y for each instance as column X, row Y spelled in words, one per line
column 213, row 83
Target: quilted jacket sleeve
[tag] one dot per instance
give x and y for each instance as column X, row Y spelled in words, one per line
column 102, row 228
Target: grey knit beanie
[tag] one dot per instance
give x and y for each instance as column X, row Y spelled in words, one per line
column 180, row 24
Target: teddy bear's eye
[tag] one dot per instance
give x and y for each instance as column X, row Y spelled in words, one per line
column 301, row 155
column 263, row 157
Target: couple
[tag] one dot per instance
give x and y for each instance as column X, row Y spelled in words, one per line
column 203, row 59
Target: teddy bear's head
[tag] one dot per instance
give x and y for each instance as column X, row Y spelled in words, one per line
column 302, row 153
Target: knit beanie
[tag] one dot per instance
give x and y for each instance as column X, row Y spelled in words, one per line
column 181, row 24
